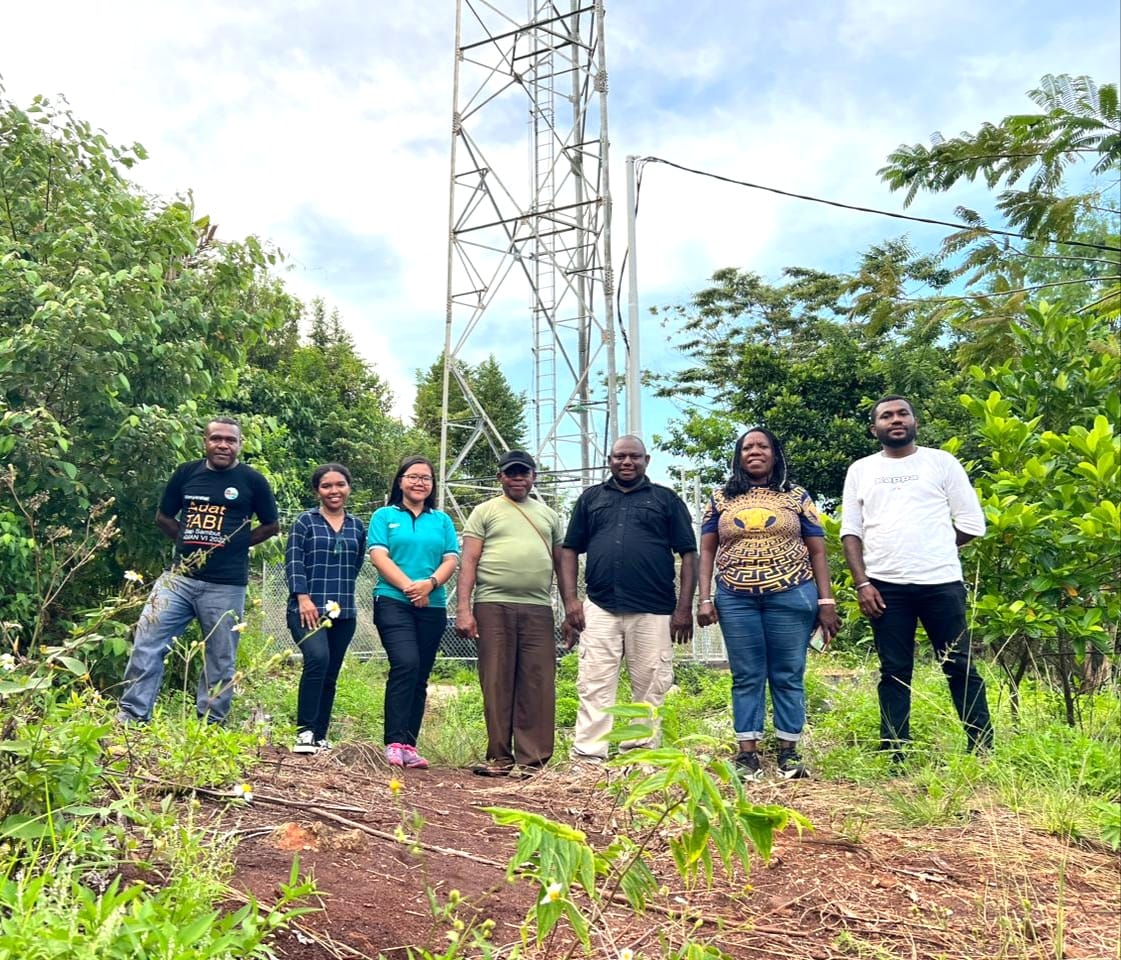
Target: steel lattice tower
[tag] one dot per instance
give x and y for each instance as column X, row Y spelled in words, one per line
column 542, row 238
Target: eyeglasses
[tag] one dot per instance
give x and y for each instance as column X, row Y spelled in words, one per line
column 416, row 478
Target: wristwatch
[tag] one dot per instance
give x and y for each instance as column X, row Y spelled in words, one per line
column 435, row 583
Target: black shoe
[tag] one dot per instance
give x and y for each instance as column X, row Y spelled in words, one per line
column 790, row 766
column 748, row 765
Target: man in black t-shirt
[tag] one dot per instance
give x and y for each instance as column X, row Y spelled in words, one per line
column 206, row 509
column 630, row 529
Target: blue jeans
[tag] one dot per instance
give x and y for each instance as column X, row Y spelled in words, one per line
column 174, row 602
column 766, row 636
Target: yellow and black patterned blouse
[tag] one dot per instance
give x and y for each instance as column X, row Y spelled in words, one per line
column 761, row 546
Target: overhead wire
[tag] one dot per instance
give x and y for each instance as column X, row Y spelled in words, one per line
column 641, row 162
column 873, row 210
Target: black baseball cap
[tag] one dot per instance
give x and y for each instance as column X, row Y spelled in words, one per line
column 517, row 458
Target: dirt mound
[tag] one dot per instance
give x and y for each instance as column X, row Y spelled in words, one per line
column 375, row 839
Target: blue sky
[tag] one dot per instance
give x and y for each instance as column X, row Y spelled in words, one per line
column 324, row 127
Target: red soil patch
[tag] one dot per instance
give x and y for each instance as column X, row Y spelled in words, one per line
column 854, row 887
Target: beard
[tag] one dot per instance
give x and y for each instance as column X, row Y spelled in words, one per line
column 896, row 442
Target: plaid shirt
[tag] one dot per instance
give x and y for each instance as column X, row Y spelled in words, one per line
column 324, row 564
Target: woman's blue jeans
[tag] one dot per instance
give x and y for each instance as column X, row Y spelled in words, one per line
column 767, row 636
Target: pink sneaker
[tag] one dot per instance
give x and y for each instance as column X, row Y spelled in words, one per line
column 395, row 754
column 411, row 758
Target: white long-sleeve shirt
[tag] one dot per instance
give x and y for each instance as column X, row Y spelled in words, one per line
column 905, row 510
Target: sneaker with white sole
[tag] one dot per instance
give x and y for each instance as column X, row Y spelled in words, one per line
column 305, row 742
column 747, row 763
column 323, row 744
column 395, row 754
column 412, row 759
column 790, row 765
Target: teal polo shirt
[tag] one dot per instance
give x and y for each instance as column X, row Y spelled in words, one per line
column 417, row 545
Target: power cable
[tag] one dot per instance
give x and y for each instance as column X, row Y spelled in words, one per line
column 873, row 210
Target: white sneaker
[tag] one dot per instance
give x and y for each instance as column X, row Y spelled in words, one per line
column 305, row 742
column 323, row 744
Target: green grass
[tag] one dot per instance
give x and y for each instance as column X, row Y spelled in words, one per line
column 1062, row 780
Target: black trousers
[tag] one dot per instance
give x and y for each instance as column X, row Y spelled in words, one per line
column 941, row 610
column 411, row 637
column 323, row 650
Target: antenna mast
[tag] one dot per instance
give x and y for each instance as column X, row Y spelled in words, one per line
column 541, row 240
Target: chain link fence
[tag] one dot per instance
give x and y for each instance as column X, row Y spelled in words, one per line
column 707, row 645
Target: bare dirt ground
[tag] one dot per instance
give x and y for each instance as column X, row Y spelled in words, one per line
column 856, row 886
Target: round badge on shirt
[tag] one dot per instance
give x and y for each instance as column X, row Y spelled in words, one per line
column 230, row 493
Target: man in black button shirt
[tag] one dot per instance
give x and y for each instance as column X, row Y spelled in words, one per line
column 630, row 529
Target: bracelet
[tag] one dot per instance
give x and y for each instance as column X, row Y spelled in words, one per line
column 827, row 602
column 703, row 600
column 861, row 586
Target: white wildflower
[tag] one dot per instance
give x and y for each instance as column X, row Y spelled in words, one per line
column 7, row 662
column 133, row 577
column 333, row 609
column 243, row 791
column 553, row 893
column 238, row 627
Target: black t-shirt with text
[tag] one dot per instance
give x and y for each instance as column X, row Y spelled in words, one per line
column 215, row 509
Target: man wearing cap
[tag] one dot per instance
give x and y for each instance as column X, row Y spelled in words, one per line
column 511, row 549
column 630, row 529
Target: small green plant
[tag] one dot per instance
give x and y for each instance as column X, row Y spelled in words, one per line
column 471, row 937
column 186, row 751
column 931, row 800
column 699, row 808
column 54, row 914
column 1108, row 817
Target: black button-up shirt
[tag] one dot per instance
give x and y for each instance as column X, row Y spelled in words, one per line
column 630, row 536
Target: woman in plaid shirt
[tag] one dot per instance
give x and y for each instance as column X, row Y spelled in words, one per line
column 324, row 554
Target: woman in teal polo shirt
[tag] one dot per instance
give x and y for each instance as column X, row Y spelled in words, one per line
column 414, row 549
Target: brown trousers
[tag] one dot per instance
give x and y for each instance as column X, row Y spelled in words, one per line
column 517, row 671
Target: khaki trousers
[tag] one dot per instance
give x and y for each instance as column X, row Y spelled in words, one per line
column 644, row 640
column 517, row 671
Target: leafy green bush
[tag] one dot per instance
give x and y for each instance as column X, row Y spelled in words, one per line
column 54, row 915
column 180, row 748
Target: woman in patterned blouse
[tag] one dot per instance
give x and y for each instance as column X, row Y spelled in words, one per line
column 324, row 554
column 764, row 537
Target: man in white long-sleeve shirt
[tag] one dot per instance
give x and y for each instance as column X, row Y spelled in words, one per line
column 907, row 510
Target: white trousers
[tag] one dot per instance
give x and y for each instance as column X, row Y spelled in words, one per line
column 644, row 640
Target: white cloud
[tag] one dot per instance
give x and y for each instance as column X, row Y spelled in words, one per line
column 325, row 126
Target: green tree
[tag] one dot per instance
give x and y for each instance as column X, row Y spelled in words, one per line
column 1074, row 258
column 794, row 358
column 323, row 402
column 504, row 407
column 1077, row 120
column 1049, row 567
column 123, row 321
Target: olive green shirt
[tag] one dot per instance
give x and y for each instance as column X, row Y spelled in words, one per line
column 516, row 565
